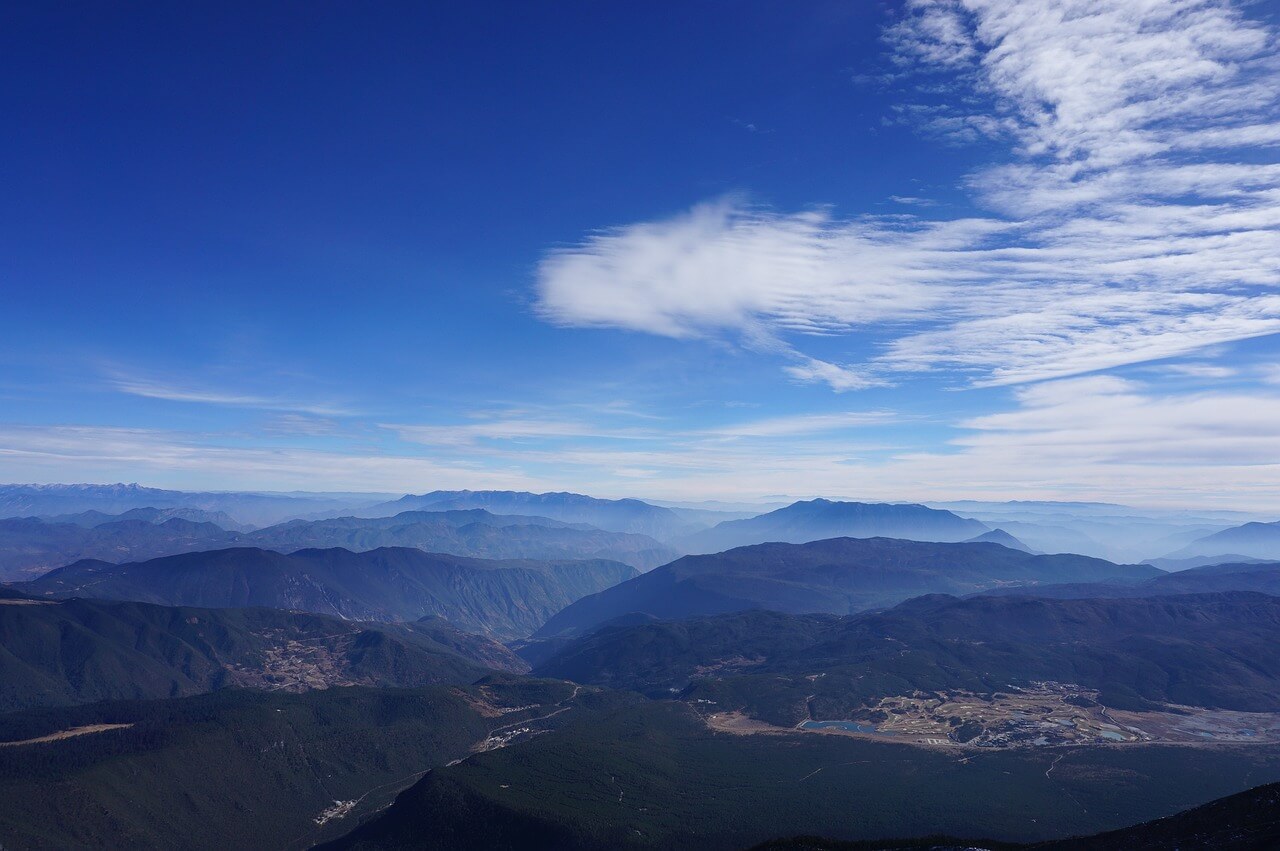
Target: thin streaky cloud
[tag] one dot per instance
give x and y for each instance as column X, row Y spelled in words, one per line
column 152, row 389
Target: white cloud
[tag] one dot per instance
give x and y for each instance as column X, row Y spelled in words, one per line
column 724, row 266
column 1199, row 370
column 1096, row 422
column 1137, row 218
column 912, row 200
column 838, row 378
column 1270, row 374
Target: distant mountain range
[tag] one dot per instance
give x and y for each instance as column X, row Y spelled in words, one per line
column 472, row 532
column 1257, row 576
column 1174, row 565
column 818, row 519
column 1117, row 533
column 1215, row 650
column 76, row 651
column 506, row 599
column 614, row 515
column 30, row 546
column 259, row 509
column 93, row 518
column 841, row 576
column 1256, row 540
column 1001, row 537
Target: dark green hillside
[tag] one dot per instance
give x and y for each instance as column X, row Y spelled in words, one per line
column 652, row 776
column 78, row 651
column 840, row 576
column 234, row 769
column 1216, row 650
column 1242, row 822
column 507, row 599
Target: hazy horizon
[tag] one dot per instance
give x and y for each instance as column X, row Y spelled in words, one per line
column 763, row 502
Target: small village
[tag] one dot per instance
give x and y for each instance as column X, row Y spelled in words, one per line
column 1040, row 715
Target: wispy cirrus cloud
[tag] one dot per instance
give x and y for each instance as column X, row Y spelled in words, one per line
column 1136, row 217
column 488, row 430
column 508, row 429
column 194, row 460
column 150, row 388
column 1094, row 437
column 803, row 424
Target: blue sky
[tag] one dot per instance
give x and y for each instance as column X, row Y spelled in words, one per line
column 916, row 250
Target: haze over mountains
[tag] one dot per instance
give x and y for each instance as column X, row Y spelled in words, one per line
column 1116, row 533
column 821, row 518
column 841, row 576
column 259, row 509
column 508, row 599
column 30, row 546
column 1251, row 540
column 261, row 650
column 616, row 515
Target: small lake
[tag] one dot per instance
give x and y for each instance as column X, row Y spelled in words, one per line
column 848, row 726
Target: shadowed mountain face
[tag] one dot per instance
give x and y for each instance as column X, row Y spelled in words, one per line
column 76, row 651
column 1213, row 650
column 821, row 518
column 615, row 515
column 1243, row 822
column 841, row 576
column 1256, row 540
column 507, row 599
column 30, row 546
